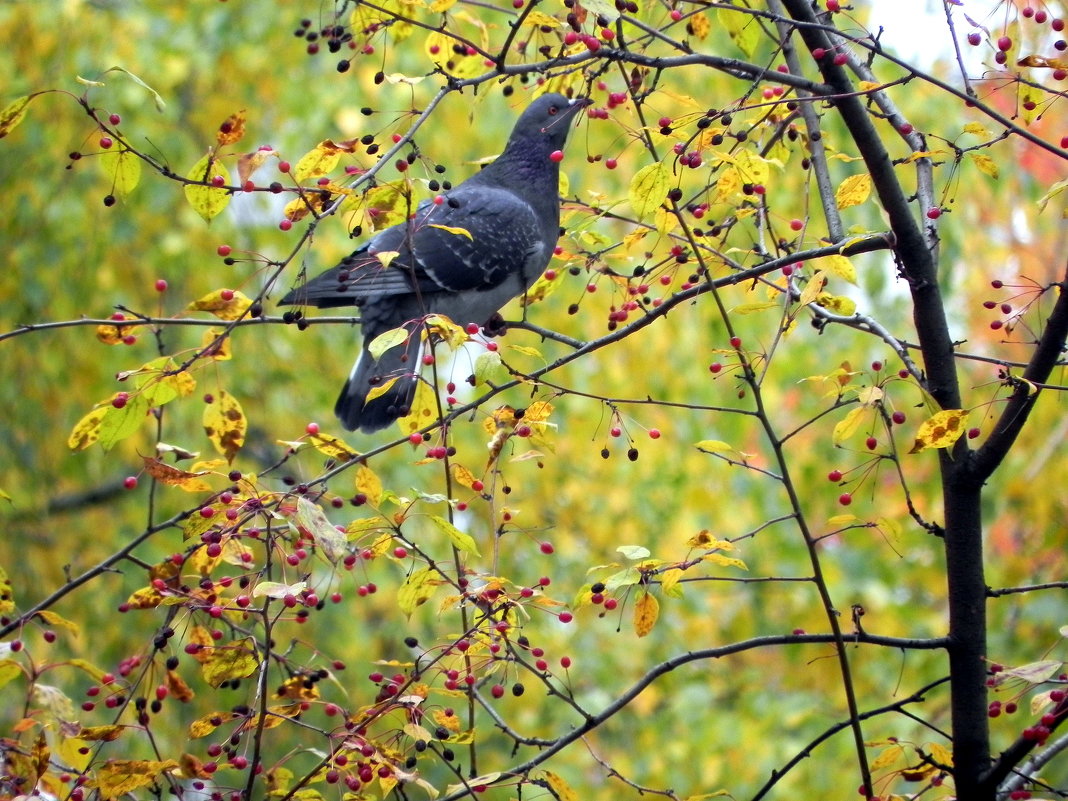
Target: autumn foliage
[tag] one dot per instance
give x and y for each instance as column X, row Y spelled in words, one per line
column 757, row 496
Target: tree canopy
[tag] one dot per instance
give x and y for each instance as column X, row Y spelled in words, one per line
column 755, row 497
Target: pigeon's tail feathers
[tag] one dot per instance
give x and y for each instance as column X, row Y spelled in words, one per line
column 397, row 370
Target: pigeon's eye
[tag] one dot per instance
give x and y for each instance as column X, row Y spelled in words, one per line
column 553, row 110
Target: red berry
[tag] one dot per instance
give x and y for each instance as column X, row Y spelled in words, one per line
column 610, row 164
column 114, row 119
column 818, row 53
column 224, row 250
column 312, row 428
column 227, row 295
column 556, row 156
column 497, row 690
column 796, row 225
column 285, row 225
column 130, row 482
column 105, row 142
column 676, row 15
column 400, row 552
column 736, row 342
column 218, row 180
column 934, row 214
column 1057, row 24
column 840, row 59
column 872, row 443
column 845, row 499
column 565, row 661
column 161, row 285
column 1004, row 44
column 283, row 166
column 974, row 39
column 973, row 433
column 898, row 417
column 833, row 6
column 654, row 433
column 835, row 476
column 546, row 547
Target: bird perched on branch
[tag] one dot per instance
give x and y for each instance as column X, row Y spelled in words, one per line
column 464, row 255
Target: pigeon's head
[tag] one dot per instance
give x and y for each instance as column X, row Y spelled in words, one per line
column 545, row 123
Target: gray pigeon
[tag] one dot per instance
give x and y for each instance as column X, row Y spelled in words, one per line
column 509, row 214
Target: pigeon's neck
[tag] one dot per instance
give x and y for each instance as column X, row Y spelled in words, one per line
column 527, row 173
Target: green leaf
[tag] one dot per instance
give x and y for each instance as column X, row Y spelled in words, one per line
column 207, row 201
column 123, row 168
column 648, row 189
column 416, row 590
column 742, row 28
column 462, row 541
column 160, row 105
column 12, row 114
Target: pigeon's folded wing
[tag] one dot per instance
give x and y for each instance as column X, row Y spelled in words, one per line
column 476, row 238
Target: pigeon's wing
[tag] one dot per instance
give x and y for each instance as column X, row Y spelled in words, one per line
column 475, row 239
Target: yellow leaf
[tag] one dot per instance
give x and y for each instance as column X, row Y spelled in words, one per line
column 853, row 191
column 838, row 266
column 237, row 660
column 424, row 409
column 839, row 304
column 462, row 476
column 118, row 777
column 1031, row 100
column 123, row 168
column 490, row 369
column 101, row 733
column 232, row 130
column 698, row 25
column 669, row 582
column 648, row 188
column 225, row 424
column 87, row 430
column 381, row 389
column 539, row 19
column 940, row 430
column 728, row 184
column 332, row 447
column 646, row 612
column 12, row 114
column 752, row 168
column 752, row 308
column 416, row 590
column 452, row 229
column 226, row 304
column 560, row 788
column 369, row 484
column 462, row 541
column 208, row 201
column 1054, row 190
column 845, row 427
column 56, row 620
column 215, row 345
column 389, row 339
column 986, row 164
column 976, row 129
column 813, row 288
column 320, row 160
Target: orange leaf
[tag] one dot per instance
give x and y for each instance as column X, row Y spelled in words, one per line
column 232, row 130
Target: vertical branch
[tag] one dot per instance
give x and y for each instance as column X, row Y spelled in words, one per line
column 962, row 494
